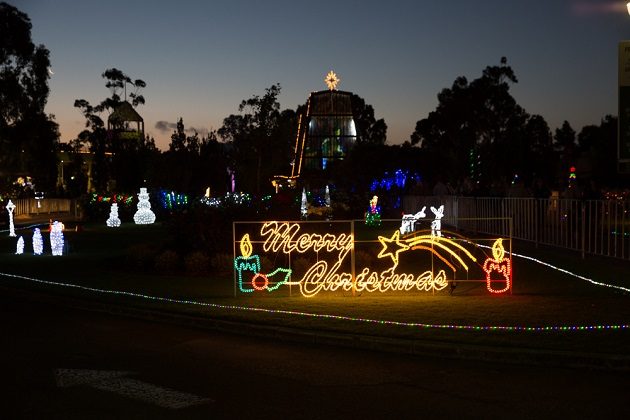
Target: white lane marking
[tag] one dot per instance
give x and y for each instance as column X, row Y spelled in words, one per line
column 116, row 382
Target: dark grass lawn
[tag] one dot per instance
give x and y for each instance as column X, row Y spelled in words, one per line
column 101, row 257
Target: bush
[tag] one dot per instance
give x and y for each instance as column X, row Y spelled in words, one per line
column 167, row 261
column 141, row 255
column 197, row 263
column 222, row 261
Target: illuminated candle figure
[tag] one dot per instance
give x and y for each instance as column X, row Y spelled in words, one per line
column 500, row 265
column 246, row 262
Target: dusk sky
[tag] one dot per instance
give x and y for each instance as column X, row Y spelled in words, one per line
column 200, row 59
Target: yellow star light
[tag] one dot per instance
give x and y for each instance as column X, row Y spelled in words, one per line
column 332, row 80
column 393, row 242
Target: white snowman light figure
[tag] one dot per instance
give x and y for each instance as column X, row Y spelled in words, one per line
column 144, row 215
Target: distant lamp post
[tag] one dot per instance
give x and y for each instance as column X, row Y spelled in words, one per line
column 10, row 208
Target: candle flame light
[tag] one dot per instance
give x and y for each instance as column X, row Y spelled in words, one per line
column 498, row 252
column 246, row 246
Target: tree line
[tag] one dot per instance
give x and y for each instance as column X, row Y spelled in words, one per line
column 478, row 139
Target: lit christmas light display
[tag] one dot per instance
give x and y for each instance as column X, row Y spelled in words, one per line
column 327, row 196
column 500, row 265
column 20, row 246
column 38, row 242
column 327, row 273
column 248, row 264
column 114, row 220
column 56, row 238
column 399, row 179
column 436, row 225
column 170, row 200
column 373, row 215
column 10, row 207
column 144, row 215
column 382, row 322
column 394, row 245
column 117, row 198
column 304, row 205
column 332, row 80
column 408, row 224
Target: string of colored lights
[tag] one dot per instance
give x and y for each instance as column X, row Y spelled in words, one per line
column 562, row 270
column 25, row 227
column 508, row 328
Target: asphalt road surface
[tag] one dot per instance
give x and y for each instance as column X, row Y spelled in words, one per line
column 61, row 363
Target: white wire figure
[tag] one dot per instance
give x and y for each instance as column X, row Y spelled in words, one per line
column 10, row 207
column 436, row 225
column 20, row 246
column 409, row 221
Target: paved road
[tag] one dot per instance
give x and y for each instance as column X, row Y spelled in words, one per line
column 71, row 364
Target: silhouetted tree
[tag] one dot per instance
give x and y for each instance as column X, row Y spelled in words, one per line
column 598, row 144
column 564, row 141
column 539, row 155
column 124, row 166
column 183, row 165
column 28, row 137
column 370, row 130
column 479, row 130
column 214, row 163
column 178, row 138
column 258, row 138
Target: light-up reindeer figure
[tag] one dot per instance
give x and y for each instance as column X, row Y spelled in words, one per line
column 436, row 225
column 409, row 221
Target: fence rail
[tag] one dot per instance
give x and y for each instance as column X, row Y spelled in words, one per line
column 597, row 227
column 32, row 206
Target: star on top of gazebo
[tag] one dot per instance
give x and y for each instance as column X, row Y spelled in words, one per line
column 332, row 80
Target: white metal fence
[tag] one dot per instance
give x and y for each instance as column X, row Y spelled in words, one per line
column 600, row 227
column 32, row 206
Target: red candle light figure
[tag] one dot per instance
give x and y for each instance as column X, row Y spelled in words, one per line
column 498, row 264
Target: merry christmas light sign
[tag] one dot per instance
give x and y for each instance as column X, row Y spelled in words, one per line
column 452, row 259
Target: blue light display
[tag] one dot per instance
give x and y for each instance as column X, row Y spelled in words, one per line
column 399, row 179
column 170, row 200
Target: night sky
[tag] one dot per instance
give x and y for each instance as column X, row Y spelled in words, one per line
column 201, row 58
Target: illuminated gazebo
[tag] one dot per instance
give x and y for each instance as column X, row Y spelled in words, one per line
column 326, row 132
